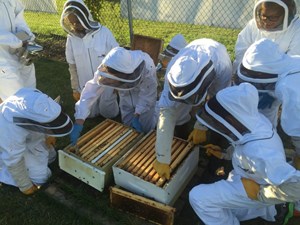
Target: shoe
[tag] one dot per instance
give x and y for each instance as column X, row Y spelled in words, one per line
column 285, row 211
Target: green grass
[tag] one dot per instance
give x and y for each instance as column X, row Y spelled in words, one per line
column 48, row 24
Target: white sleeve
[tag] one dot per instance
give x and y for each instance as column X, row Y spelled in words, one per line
column 89, row 95
column 112, row 43
column 164, row 134
column 20, row 22
column 294, row 45
column 13, row 157
column 69, row 51
column 223, row 69
column 74, row 77
column 20, row 175
column 244, row 40
column 9, row 39
column 148, row 88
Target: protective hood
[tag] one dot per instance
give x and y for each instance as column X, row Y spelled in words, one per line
column 263, row 63
column 287, row 91
column 121, row 69
column 190, row 76
column 288, row 8
column 80, row 13
column 33, row 110
column 178, row 42
column 233, row 113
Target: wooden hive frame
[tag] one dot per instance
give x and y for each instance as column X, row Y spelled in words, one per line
column 136, row 167
column 103, row 142
column 140, row 160
column 96, row 151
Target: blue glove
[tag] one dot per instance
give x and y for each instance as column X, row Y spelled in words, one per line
column 135, row 123
column 75, row 134
column 265, row 100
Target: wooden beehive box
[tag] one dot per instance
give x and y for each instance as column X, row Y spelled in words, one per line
column 134, row 171
column 97, row 151
column 152, row 46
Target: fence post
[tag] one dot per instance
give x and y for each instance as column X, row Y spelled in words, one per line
column 130, row 21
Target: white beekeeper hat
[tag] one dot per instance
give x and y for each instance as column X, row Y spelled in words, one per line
column 33, row 110
column 178, row 42
column 190, row 77
column 81, row 12
column 121, row 68
column 262, row 64
column 232, row 112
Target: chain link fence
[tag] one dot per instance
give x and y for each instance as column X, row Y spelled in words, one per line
column 219, row 20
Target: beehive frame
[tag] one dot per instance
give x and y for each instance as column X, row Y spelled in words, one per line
column 97, row 151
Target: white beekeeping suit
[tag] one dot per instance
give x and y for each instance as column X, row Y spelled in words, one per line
column 258, row 155
column 133, row 74
column 263, row 63
column 85, row 51
column 13, row 74
column 25, row 118
column 188, row 68
column 287, row 35
column 288, row 93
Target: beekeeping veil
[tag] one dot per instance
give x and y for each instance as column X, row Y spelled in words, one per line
column 121, row 69
column 76, row 19
column 190, row 76
column 262, row 64
column 177, row 42
column 288, row 7
column 35, row 111
column 233, row 113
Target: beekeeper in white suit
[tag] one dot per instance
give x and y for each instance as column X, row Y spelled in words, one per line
column 177, row 42
column 263, row 65
column 133, row 74
column 258, row 155
column 264, row 57
column 25, row 118
column 88, row 42
column 14, row 36
column 272, row 19
column 202, row 68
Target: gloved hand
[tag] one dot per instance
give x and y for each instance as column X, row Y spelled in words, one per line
column 50, row 141
column 265, row 100
column 197, row 136
column 76, row 95
column 31, row 190
column 214, row 150
column 75, row 134
column 296, row 162
column 135, row 123
column 251, row 188
column 162, row 169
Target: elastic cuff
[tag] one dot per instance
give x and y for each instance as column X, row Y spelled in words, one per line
column 199, row 126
